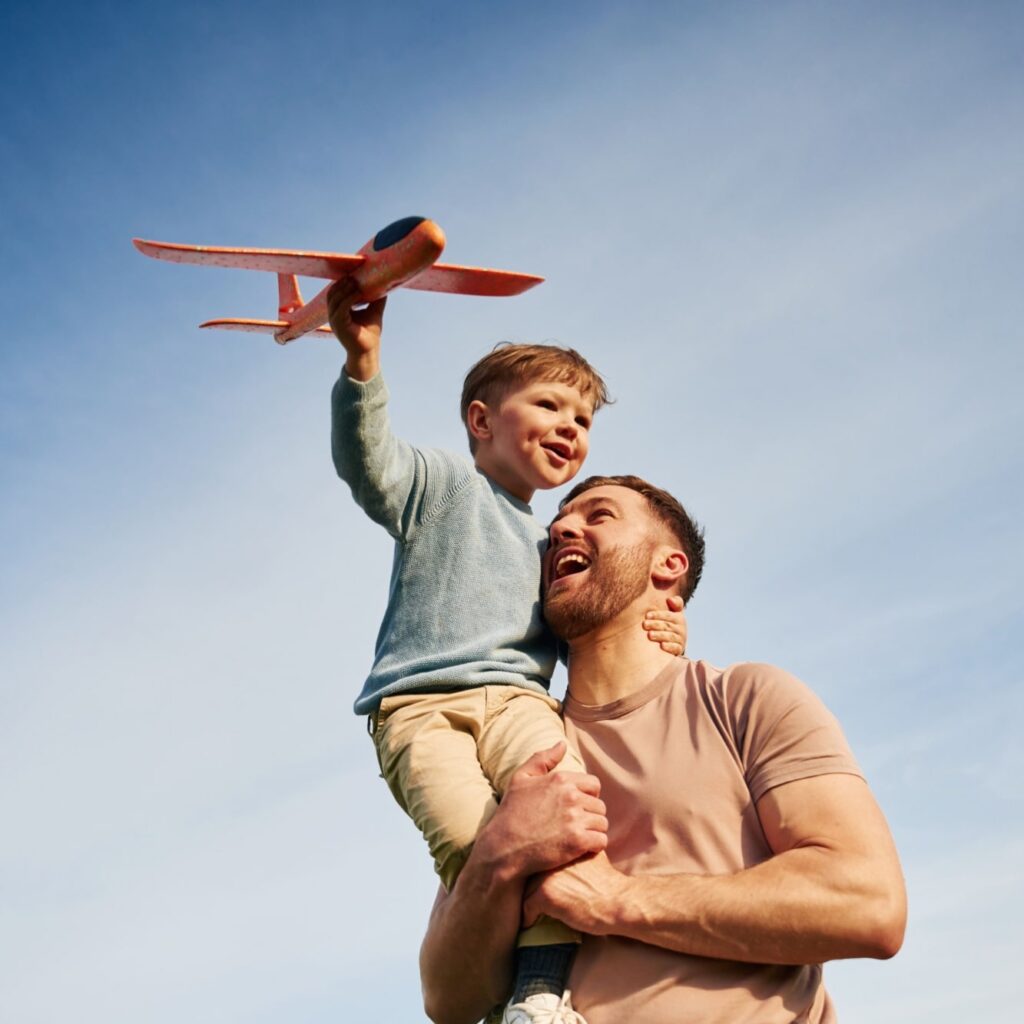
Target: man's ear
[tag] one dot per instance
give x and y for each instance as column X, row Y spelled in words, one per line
column 478, row 420
column 669, row 566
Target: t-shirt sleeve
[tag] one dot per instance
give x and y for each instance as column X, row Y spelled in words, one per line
column 396, row 484
column 782, row 729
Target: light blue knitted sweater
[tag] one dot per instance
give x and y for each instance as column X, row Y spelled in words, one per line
column 464, row 602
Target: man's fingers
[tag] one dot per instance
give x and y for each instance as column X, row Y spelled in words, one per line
column 588, row 784
column 543, row 761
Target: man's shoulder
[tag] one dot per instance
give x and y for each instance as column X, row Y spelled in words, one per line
column 781, row 728
column 742, row 676
column 748, row 689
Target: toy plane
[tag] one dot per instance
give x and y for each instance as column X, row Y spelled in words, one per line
column 402, row 255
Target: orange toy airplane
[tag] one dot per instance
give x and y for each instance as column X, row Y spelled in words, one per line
column 403, row 254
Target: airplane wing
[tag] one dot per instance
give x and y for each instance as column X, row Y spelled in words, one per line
column 441, row 277
column 330, row 265
column 448, row 277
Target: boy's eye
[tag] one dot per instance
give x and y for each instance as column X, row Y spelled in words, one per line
column 546, row 403
column 583, row 421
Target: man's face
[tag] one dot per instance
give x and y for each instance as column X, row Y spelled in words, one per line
column 598, row 560
column 539, row 437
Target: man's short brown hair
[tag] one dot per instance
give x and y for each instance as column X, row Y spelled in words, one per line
column 668, row 511
column 509, row 366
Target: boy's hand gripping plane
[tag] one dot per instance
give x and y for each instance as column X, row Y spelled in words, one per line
column 403, row 254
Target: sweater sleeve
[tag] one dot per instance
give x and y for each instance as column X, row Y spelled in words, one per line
column 396, row 484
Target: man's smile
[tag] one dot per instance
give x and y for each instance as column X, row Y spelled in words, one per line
column 570, row 560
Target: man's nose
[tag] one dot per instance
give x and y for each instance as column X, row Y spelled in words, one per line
column 564, row 529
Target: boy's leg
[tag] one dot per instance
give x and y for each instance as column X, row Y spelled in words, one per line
column 427, row 746
column 518, row 724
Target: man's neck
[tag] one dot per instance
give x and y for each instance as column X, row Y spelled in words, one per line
column 614, row 660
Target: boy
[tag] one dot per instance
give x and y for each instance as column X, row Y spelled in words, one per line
column 457, row 697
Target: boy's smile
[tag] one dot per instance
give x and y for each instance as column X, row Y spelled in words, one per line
column 537, row 437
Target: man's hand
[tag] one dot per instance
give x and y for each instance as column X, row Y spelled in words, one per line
column 583, row 895
column 358, row 330
column 667, row 627
column 546, row 819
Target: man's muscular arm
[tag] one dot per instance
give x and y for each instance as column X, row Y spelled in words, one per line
column 546, row 819
column 833, row 889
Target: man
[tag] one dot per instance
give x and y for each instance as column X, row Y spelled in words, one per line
column 741, row 847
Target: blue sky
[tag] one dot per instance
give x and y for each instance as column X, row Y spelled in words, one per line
column 788, row 234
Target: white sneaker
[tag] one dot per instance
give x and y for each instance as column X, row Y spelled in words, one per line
column 543, row 1008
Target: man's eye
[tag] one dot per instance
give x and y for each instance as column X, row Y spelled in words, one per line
column 600, row 513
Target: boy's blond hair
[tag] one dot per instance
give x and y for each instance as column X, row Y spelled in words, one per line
column 509, row 366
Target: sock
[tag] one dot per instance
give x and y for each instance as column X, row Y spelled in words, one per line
column 542, row 969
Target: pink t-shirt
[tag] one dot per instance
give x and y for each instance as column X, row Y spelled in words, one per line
column 682, row 763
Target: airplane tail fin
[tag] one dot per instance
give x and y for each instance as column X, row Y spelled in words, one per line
column 289, row 298
column 289, row 302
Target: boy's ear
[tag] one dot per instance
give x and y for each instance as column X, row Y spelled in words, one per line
column 478, row 420
column 669, row 566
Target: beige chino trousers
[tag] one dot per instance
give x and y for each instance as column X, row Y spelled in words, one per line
column 448, row 757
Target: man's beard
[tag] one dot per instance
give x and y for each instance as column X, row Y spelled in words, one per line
column 614, row 580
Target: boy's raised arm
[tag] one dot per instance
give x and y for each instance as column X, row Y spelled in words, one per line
column 392, row 481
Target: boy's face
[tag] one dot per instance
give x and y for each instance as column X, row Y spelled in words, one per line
column 536, row 439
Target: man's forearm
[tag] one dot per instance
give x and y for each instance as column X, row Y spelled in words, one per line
column 467, row 957
column 803, row 906
column 799, row 907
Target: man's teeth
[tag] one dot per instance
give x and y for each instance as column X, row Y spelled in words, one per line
column 568, row 564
